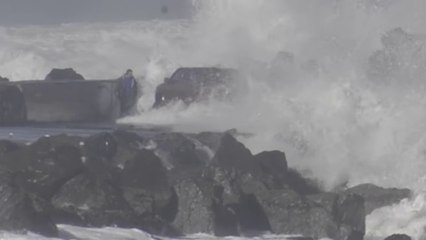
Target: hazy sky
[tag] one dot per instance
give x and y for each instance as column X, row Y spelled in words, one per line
column 64, row 11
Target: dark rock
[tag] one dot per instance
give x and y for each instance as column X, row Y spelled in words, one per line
column 145, row 185
column 87, row 201
column 350, row 214
column 251, row 217
column 128, row 145
column 212, row 140
column 301, row 184
column 20, row 211
column 58, row 74
column 276, row 174
column 194, row 213
column 377, row 197
column 274, row 168
column 7, row 147
column 398, row 237
column 98, row 152
column 289, row 213
column 172, row 184
column 182, row 155
column 102, row 146
column 325, row 215
column 235, row 170
column 233, row 155
column 12, row 106
column 44, row 166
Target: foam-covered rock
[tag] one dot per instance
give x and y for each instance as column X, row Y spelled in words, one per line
column 377, row 197
column 21, row 211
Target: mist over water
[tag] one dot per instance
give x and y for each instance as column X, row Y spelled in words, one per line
column 337, row 118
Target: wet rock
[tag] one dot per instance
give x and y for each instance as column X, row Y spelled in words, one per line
column 276, row 174
column 252, row 220
column 128, row 145
column 398, row 237
column 101, row 146
column 239, row 178
column 233, row 155
column 350, row 215
column 58, row 74
column 194, row 213
column 88, row 201
column 20, row 211
column 182, row 155
column 212, row 140
column 324, row 215
column 145, row 184
column 174, row 183
column 7, row 147
column 42, row 167
column 301, row 184
column 377, row 197
column 289, row 213
column 12, row 106
column 274, row 167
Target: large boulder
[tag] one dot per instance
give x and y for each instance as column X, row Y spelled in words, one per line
column 289, row 213
column 377, row 197
column 21, row 211
column 44, row 166
column 350, row 216
column 276, row 174
column 324, row 215
column 59, row 74
column 182, row 154
column 88, row 201
column 7, row 147
column 128, row 145
column 145, row 186
column 194, row 207
column 12, row 105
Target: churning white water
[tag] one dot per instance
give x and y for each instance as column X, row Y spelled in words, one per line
column 318, row 103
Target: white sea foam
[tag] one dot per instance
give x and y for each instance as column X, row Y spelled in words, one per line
column 331, row 120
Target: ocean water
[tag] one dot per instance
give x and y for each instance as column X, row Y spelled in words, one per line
column 334, row 121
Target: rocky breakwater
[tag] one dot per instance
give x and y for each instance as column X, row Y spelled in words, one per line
column 172, row 184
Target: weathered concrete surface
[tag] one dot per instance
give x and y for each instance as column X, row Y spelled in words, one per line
column 70, row 100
